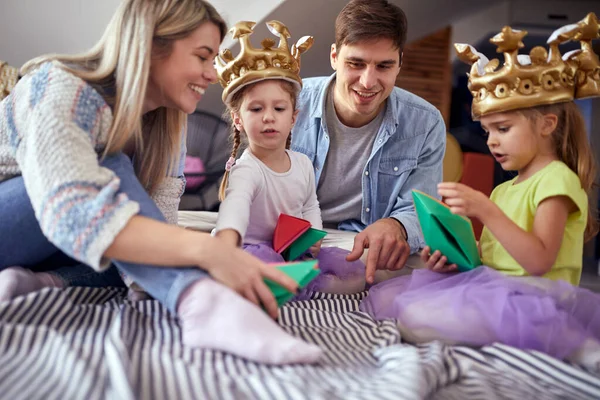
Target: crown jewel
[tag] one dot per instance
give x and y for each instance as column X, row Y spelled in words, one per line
column 256, row 64
column 542, row 77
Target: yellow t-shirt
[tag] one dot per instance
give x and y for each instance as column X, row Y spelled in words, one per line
column 520, row 201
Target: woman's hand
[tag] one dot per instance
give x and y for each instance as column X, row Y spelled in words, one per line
column 436, row 262
column 244, row 273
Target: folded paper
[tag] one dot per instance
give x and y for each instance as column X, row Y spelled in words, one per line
column 449, row 233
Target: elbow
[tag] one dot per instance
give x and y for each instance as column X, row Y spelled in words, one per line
column 540, row 268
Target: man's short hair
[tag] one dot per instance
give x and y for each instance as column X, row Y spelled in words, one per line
column 367, row 20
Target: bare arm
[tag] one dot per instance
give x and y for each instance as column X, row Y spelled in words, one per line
column 144, row 240
column 535, row 251
column 231, row 236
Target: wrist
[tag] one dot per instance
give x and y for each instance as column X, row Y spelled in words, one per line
column 402, row 228
column 196, row 248
column 490, row 211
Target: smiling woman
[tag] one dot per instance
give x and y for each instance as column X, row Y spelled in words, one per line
column 92, row 153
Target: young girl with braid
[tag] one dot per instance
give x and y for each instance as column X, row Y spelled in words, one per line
column 269, row 179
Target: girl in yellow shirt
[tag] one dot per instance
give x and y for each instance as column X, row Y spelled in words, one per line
column 535, row 224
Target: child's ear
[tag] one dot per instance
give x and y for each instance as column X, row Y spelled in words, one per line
column 237, row 121
column 294, row 116
column 548, row 124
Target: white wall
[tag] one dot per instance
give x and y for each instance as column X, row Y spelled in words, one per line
column 474, row 26
column 29, row 28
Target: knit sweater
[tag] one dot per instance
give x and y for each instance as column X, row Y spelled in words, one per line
column 53, row 127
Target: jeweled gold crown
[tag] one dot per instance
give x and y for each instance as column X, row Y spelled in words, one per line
column 253, row 64
column 542, row 77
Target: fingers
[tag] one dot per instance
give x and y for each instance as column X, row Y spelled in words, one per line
column 404, row 253
column 438, row 262
column 448, row 193
column 372, row 259
column 386, row 254
column 425, row 254
column 266, row 298
column 433, row 259
column 250, row 295
column 358, row 249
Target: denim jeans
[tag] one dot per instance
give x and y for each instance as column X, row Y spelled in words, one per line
column 24, row 244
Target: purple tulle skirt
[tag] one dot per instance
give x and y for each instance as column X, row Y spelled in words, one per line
column 483, row 306
column 337, row 275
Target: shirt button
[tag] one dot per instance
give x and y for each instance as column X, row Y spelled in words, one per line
column 379, row 141
column 367, row 209
column 367, row 173
column 395, row 168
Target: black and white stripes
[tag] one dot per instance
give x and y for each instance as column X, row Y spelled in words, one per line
column 84, row 343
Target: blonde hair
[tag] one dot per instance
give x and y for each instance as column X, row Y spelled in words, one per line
column 572, row 147
column 120, row 62
column 234, row 106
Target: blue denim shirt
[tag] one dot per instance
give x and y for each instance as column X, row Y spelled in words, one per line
column 407, row 154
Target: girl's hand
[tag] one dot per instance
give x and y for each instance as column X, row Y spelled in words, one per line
column 244, row 273
column 315, row 249
column 436, row 262
column 465, row 201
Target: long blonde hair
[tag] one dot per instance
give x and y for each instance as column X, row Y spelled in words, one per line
column 572, row 147
column 234, row 106
column 120, row 62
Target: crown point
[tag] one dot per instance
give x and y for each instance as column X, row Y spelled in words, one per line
column 465, row 53
column 278, row 29
column 242, row 28
column 508, row 40
column 589, row 28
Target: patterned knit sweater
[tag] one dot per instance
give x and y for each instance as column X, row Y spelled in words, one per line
column 53, row 126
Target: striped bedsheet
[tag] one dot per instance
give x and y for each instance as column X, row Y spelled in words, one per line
column 83, row 343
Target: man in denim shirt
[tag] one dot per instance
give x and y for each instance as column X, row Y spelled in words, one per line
column 370, row 142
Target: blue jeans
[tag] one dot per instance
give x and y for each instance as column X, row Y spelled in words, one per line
column 24, row 244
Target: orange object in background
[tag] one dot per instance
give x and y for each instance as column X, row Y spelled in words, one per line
column 478, row 173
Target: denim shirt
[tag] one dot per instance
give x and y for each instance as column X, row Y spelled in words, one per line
column 407, row 154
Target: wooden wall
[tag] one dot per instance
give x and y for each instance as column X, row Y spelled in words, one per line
column 427, row 71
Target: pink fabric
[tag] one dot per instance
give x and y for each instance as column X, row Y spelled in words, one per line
column 193, row 165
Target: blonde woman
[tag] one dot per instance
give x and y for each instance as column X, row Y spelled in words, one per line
column 91, row 156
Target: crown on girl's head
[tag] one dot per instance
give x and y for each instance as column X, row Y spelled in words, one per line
column 253, row 64
column 540, row 78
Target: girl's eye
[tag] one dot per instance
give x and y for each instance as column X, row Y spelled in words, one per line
column 279, row 109
column 503, row 129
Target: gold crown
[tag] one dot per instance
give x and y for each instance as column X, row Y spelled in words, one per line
column 541, row 78
column 8, row 79
column 253, row 64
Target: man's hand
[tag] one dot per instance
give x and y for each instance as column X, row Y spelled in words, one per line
column 388, row 249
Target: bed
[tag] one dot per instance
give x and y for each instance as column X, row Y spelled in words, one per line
column 84, row 343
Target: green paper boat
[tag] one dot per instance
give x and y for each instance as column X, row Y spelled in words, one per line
column 303, row 243
column 302, row 272
column 449, row 233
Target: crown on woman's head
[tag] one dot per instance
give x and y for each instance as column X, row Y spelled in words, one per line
column 540, row 78
column 253, row 64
